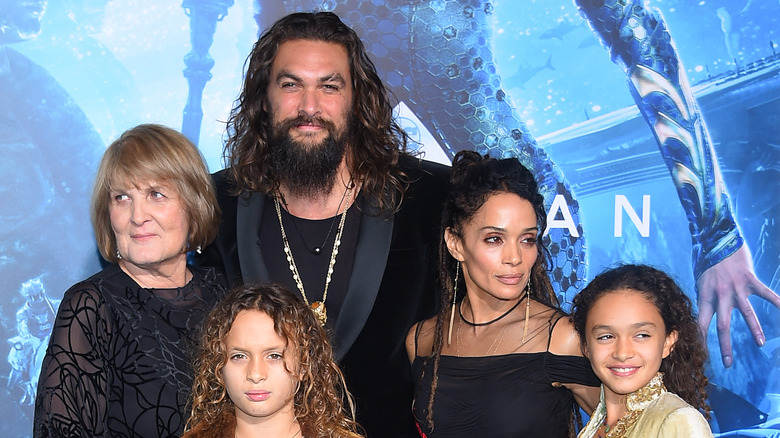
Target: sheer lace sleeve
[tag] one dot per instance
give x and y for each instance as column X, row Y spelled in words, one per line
column 72, row 390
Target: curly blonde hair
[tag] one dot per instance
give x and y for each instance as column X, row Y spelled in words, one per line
column 323, row 406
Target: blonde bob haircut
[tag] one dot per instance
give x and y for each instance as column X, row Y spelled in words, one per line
column 156, row 153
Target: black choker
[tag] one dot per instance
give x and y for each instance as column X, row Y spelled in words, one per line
column 478, row 324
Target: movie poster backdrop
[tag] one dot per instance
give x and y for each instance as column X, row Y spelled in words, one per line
column 653, row 128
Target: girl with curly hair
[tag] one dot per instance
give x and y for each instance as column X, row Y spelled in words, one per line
column 265, row 368
column 637, row 329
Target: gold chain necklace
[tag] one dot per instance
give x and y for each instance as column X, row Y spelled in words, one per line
column 492, row 350
column 318, row 306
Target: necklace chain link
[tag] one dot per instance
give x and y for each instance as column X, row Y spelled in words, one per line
column 318, row 306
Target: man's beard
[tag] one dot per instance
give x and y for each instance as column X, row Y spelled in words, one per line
column 307, row 169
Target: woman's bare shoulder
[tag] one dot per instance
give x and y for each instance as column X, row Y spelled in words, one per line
column 419, row 340
column 564, row 339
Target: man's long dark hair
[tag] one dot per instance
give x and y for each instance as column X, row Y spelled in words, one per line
column 375, row 140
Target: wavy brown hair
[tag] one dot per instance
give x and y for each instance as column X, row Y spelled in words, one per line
column 323, row 406
column 151, row 152
column 473, row 179
column 684, row 367
column 375, row 140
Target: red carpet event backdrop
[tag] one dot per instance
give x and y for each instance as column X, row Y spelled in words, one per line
column 653, row 127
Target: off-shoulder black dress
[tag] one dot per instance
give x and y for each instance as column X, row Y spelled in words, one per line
column 118, row 362
column 508, row 395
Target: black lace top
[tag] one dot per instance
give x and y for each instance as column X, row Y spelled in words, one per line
column 118, row 362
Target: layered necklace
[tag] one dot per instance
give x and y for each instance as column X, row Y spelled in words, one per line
column 500, row 317
column 526, row 297
column 317, row 250
column 317, row 306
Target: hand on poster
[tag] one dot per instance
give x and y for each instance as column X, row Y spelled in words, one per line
column 726, row 286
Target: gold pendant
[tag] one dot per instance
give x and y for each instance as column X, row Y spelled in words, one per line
column 319, row 309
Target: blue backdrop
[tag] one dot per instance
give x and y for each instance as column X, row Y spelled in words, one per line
column 512, row 78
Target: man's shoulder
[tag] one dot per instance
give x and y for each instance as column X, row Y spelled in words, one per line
column 427, row 186
column 227, row 195
column 222, row 181
column 420, row 168
column 424, row 177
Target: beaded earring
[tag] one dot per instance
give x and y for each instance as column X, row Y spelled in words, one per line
column 454, row 298
column 527, row 308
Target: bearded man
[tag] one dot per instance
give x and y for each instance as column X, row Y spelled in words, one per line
column 321, row 196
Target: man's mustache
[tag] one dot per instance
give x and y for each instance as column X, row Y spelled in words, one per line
column 304, row 119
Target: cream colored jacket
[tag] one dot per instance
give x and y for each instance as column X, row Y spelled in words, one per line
column 652, row 412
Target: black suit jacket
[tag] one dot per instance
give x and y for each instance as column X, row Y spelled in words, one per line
column 392, row 286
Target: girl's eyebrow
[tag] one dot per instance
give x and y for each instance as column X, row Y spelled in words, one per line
column 608, row 327
column 279, row 347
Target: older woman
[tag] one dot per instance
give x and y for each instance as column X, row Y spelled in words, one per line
column 117, row 362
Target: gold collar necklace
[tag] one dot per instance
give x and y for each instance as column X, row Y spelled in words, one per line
column 318, row 306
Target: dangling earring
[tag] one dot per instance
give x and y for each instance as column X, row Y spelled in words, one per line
column 199, row 250
column 527, row 308
column 454, row 298
column 118, row 255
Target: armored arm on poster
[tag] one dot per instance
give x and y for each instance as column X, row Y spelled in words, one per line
column 637, row 39
column 437, row 58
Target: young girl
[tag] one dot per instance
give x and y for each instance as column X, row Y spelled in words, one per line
column 638, row 331
column 265, row 368
column 501, row 359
